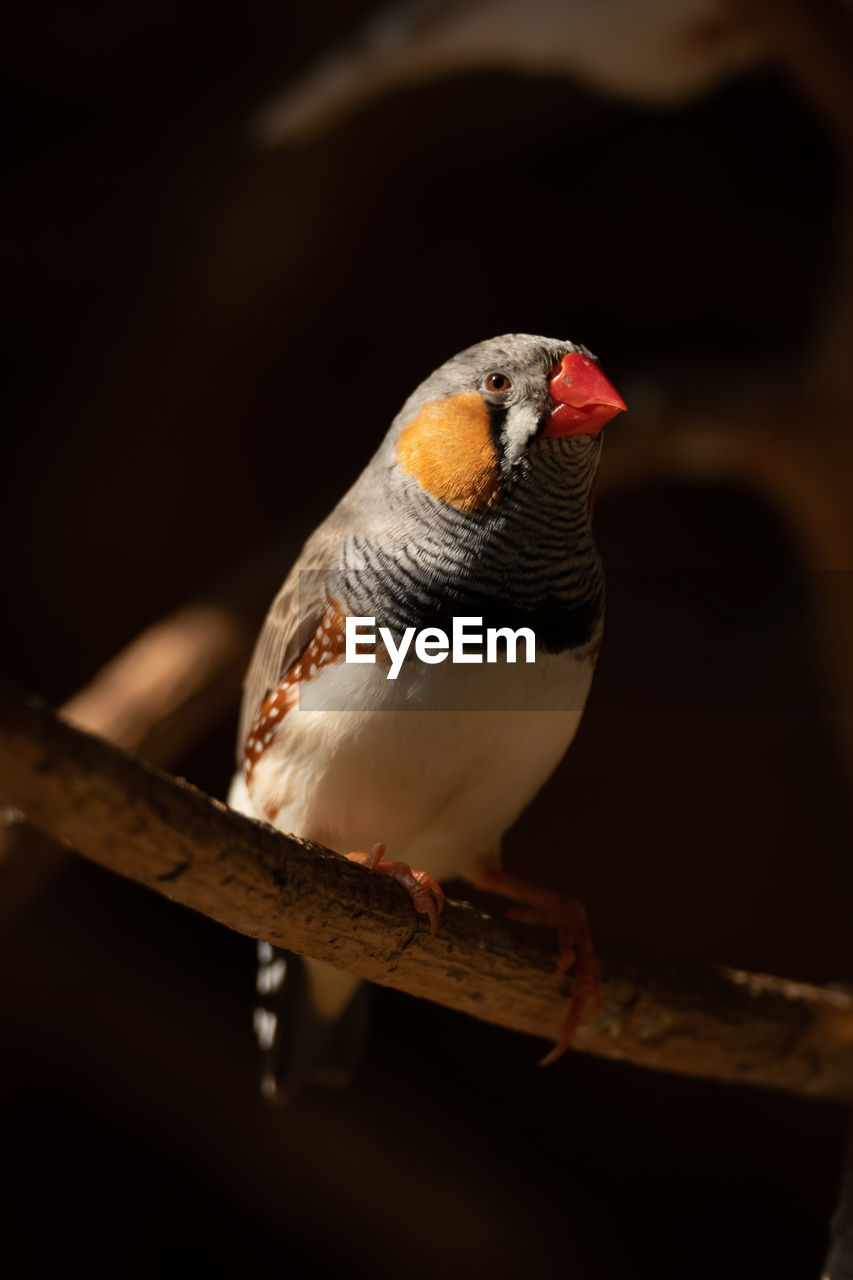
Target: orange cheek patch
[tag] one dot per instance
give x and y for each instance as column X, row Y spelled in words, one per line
column 449, row 450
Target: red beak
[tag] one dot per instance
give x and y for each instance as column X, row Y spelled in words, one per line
column 582, row 399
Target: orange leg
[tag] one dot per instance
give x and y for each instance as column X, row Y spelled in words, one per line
column 575, row 950
column 426, row 893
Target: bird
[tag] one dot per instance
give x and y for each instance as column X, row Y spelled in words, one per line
column 471, row 520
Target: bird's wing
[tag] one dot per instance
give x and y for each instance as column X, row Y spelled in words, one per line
column 293, row 619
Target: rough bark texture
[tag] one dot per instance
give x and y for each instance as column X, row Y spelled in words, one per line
column 139, row 822
column 157, row 698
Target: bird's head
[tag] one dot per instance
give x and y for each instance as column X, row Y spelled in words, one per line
column 474, row 429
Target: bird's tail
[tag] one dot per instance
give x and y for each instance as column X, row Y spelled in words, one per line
column 310, row 1021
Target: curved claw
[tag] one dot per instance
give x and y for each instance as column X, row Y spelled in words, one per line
column 427, row 894
column 575, row 951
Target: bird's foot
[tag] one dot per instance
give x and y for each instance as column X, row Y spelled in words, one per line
column 426, row 893
column 575, row 949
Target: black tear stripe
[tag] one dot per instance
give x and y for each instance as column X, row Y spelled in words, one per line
column 497, row 422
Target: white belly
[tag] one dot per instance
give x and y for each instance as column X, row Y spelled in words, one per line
column 437, row 764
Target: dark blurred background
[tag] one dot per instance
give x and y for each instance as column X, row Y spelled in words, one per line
column 209, row 337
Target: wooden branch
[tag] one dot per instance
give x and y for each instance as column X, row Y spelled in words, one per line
column 137, row 821
column 183, row 672
column 172, row 681
column 29, row 861
column 157, row 698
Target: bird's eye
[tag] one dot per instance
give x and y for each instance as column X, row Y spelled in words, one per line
column 497, row 382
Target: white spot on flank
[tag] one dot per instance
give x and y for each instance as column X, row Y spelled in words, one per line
column 273, row 712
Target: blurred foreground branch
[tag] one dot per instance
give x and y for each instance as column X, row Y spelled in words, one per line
column 137, row 821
